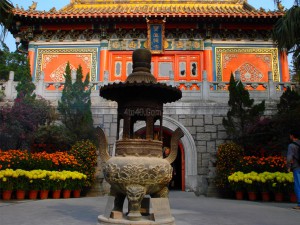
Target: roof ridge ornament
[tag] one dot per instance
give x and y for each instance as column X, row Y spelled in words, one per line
column 33, row 6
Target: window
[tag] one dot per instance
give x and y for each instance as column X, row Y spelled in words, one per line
column 128, row 68
column 118, row 69
column 182, row 69
column 194, row 69
column 164, row 69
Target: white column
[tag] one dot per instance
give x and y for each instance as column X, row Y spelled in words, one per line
column 9, row 87
column 271, row 86
column 205, row 86
column 40, row 84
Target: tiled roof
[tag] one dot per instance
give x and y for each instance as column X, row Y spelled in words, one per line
column 167, row 8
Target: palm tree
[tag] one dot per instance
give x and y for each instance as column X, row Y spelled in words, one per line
column 286, row 32
column 5, row 17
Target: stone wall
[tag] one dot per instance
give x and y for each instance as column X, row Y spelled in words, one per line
column 202, row 121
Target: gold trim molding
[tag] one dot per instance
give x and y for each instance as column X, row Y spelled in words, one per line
column 274, row 59
column 92, row 51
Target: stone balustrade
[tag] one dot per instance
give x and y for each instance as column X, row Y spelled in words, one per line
column 204, row 90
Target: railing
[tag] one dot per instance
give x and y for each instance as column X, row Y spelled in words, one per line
column 192, row 90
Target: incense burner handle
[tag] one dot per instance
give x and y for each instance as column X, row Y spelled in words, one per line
column 103, row 145
column 174, row 145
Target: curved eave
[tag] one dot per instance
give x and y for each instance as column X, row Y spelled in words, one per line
column 46, row 15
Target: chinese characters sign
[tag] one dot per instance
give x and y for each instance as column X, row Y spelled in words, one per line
column 156, row 32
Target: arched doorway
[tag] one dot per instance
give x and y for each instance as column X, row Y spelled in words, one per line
column 187, row 149
column 178, row 178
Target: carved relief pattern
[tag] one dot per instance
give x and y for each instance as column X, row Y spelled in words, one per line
column 227, row 58
column 266, row 59
column 273, row 52
column 86, row 59
column 249, row 73
column 48, row 59
column 58, row 74
column 138, row 173
column 57, row 51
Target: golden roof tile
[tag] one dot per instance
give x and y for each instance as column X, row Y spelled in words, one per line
column 129, row 8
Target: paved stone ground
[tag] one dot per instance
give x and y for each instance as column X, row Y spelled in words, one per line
column 186, row 208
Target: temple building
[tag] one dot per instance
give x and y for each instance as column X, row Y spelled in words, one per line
column 195, row 45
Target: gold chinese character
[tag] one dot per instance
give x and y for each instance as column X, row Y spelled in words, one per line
column 155, row 28
column 156, row 40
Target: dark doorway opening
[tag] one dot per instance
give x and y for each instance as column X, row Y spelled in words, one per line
column 178, row 181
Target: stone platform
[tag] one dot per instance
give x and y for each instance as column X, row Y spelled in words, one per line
column 186, row 208
column 145, row 221
column 155, row 211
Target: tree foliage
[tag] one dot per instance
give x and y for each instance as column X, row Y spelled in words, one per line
column 12, row 61
column 19, row 122
column 289, row 101
column 286, row 32
column 270, row 135
column 242, row 112
column 26, row 87
column 75, row 105
column 6, row 17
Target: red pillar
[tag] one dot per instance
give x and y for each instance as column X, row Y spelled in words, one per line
column 31, row 55
column 285, row 75
column 208, row 59
column 103, row 59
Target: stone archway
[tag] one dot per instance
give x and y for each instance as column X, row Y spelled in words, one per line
column 190, row 152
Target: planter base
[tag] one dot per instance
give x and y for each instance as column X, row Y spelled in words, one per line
column 6, row 195
column 239, row 195
column 252, row 196
column 56, row 194
column 278, row 197
column 66, row 193
column 20, row 194
column 265, row 196
column 33, row 194
column 76, row 193
column 44, row 194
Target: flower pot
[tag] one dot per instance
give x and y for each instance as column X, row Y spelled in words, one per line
column 44, row 194
column 33, row 194
column 293, row 197
column 252, row 196
column 56, row 194
column 265, row 196
column 6, row 194
column 76, row 193
column 239, row 195
column 278, row 197
column 66, row 193
column 20, row 194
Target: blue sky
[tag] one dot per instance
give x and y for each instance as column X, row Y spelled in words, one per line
column 46, row 5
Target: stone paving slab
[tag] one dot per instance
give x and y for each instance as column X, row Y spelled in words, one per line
column 186, row 208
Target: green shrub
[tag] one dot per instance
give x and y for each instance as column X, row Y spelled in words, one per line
column 228, row 155
column 52, row 138
column 86, row 155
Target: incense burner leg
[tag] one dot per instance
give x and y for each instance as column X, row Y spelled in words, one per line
column 163, row 193
column 119, row 200
column 135, row 195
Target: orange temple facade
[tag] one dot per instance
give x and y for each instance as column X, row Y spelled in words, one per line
column 195, row 45
column 195, row 36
